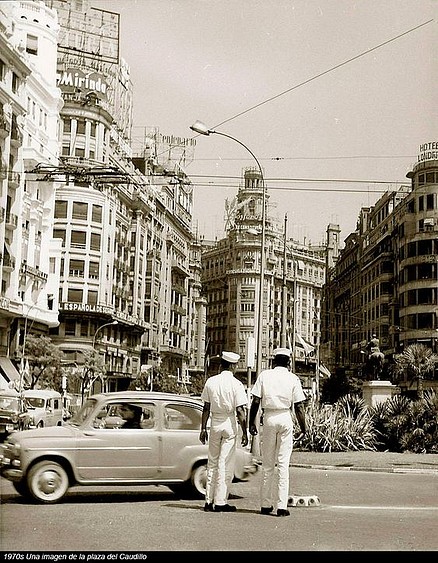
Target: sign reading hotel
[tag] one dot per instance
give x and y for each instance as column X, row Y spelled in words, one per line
column 428, row 151
column 74, row 80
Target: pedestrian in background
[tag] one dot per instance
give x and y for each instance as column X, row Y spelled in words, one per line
column 225, row 400
column 279, row 391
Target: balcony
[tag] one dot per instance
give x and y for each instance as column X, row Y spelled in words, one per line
column 8, row 263
column 11, row 220
column 4, row 126
column 16, row 137
column 13, row 179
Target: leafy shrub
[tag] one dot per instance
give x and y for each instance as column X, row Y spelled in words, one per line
column 405, row 425
column 347, row 425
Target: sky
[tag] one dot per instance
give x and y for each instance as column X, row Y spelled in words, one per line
column 333, row 97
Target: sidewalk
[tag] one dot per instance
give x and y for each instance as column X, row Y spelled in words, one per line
column 367, row 461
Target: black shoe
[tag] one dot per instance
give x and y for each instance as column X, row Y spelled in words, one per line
column 266, row 509
column 282, row 512
column 208, row 507
column 224, row 508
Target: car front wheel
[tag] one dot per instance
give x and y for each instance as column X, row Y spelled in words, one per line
column 48, row 482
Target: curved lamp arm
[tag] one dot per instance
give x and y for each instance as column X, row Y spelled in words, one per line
column 202, row 129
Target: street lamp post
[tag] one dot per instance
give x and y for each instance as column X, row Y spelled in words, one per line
column 199, row 127
column 98, row 329
column 23, row 363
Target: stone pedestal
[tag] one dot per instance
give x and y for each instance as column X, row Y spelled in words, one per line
column 374, row 392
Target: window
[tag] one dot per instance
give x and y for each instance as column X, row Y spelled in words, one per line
column 80, row 127
column 115, row 416
column 70, row 327
column 77, row 268
column 75, row 295
column 182, row 417
column 78, row 239
column 92, row 297
column 15, row 83
column 59, row 233
column 94, row 270
column 80, row 210
column 60, row 209
column 95, row 241
column 32, row 44
column 96, row 214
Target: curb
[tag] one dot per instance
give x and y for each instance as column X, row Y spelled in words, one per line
column 370, row 469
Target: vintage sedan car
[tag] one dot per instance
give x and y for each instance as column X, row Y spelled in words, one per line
column 98, row 446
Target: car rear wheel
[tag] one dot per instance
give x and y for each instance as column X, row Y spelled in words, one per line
column 199, row 480
column 48, row 482
column 193, row 487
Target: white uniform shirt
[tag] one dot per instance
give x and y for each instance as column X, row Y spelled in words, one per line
column 278, row 388
column 224, row 393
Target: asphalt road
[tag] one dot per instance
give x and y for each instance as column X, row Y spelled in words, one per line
column 357, row 511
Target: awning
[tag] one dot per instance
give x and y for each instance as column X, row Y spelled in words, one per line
column 8, row 370
column 301, row 343
column 323, row 371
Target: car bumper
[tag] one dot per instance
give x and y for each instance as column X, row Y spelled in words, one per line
column 11, row 474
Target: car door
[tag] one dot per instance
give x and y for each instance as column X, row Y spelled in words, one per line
column 181, row 447
column 108, row 452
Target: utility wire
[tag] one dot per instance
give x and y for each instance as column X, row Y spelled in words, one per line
column 339, row 180
column 323, row 73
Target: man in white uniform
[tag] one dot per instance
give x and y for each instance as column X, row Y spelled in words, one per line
column 278, row 390
column 224, row 397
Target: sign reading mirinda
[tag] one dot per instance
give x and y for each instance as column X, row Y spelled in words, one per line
column 71, row 80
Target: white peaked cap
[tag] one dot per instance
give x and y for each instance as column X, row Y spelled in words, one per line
column 283, row 352
column 230, row 357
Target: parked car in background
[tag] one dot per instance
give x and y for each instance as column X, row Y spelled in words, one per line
column 95, row 447
column 14, row 414
column 45, row 407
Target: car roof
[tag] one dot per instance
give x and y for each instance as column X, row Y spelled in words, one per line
column 142, row 395
column 41, row 393
column 9, row 393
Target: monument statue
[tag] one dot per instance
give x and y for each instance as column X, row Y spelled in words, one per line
column 374, row 359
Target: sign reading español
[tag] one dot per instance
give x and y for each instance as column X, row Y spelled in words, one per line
column 428, row 151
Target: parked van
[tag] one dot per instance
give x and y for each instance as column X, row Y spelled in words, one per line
column 14, row 414
column 45, row 407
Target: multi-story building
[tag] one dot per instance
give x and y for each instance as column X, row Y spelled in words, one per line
column 385, row 280
column 30, row 105
column 294, row 276
column 107, row 260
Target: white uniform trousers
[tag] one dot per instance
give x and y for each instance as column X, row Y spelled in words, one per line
column 276, row 450
column 221, row 456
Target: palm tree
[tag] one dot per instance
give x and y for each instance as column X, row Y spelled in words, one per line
column 416, row 361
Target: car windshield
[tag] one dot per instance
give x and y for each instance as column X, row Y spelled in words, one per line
column 83, row 412
column 8, row 403
column 36, row 402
